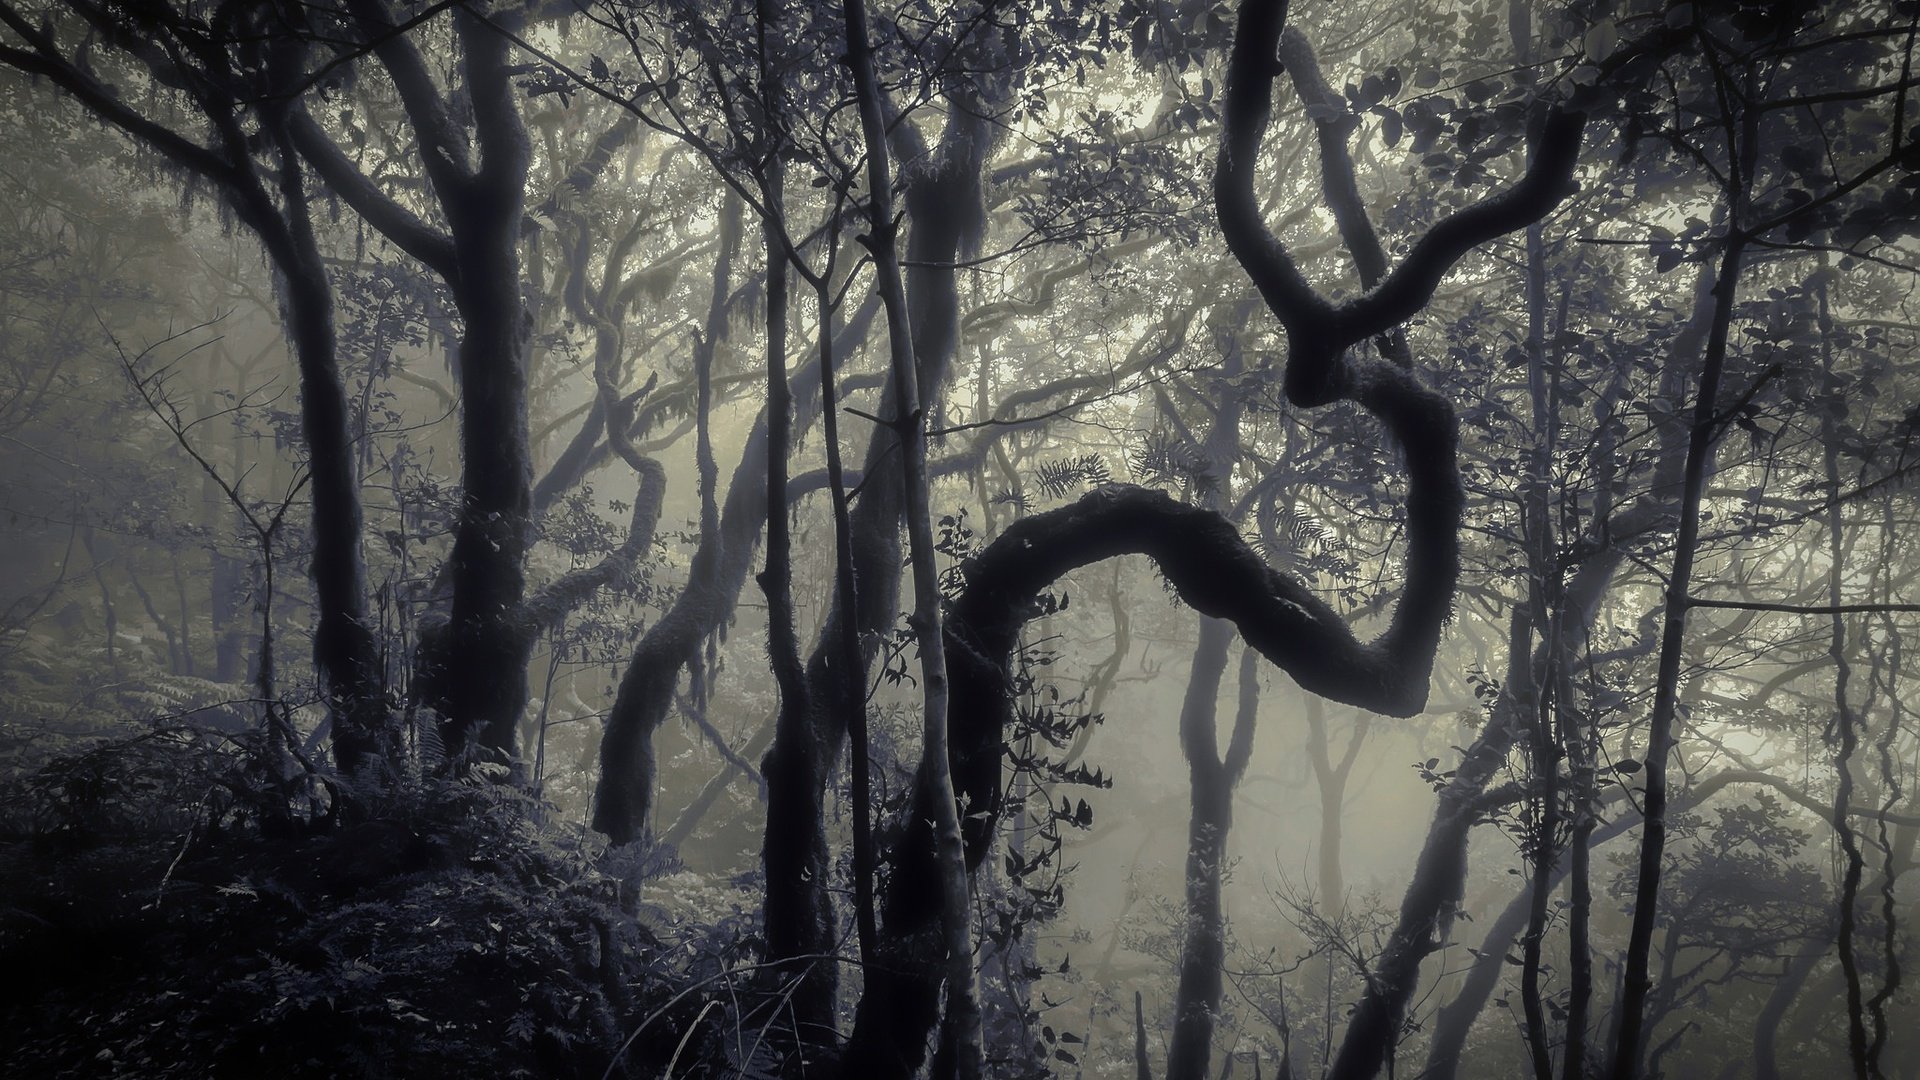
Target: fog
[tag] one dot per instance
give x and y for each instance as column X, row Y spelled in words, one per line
column 990, row 540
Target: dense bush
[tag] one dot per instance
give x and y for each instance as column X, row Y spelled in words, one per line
column 170, row 914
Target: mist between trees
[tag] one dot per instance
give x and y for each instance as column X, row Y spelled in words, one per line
column 688, row 539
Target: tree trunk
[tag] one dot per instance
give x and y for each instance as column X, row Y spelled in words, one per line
column 623, row 797
column 1212, row 779
column 623, row 800
column 345, row 654
column 486, row 687
column 787, row 839
column 344, row 651
column 1577, row 604
column 1786, row 989
column 1635, row 977
column 961, row 1034
column 1845, row 727
column 800, row 919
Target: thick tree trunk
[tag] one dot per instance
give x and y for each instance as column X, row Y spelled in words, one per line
column 487, row 686
column 345, row 654
column 343, row 644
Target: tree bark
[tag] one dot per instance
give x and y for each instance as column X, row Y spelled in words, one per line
column 364, row 738
column 1212, row 779
column 1636, row 981
column 800, row 764
column 943, row 847
column 487, row 686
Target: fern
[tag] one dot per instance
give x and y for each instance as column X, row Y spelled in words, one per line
column 1167, row 459
column 1016, row 499
column 1302, row 541
column 430, row 749
column 1056, row 478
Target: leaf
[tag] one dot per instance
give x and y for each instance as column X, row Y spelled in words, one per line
column 1800, row 158
column 1602, row 38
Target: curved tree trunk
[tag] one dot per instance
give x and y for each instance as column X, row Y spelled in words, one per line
column 1204, row 557
column 623, row 796
column 623, row 800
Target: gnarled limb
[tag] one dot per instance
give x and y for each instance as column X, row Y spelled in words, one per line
column 1215, row 571
column 1319, row 371
column 1320, row 330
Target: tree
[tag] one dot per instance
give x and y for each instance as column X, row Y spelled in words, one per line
column 214, row 70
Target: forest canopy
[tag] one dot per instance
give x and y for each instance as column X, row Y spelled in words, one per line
column 779, row 538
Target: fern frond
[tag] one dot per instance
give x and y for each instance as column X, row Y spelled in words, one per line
column 1056, row 478
column 1016, row 499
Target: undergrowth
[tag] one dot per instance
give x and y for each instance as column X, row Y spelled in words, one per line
column 170, row 909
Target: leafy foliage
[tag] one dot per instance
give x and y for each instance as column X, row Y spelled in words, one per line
column 159, row 889
column 1057, row 478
